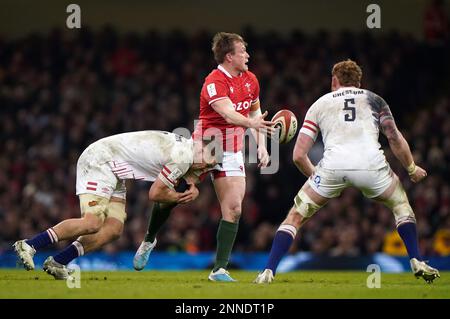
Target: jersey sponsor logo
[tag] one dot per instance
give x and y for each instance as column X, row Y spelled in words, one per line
column 240, row 106
column 211, row 88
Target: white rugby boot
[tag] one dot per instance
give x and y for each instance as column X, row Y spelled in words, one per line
column 57, row 270
column 265, row 277
column 142, row 254
column 221, row 275
column 421, row 269
column 26, row 253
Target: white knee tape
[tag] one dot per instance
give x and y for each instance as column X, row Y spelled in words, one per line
column 304, row 205
column 93, row 204
column 399, row 204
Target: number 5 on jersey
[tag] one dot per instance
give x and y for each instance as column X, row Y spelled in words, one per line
column 349, row 117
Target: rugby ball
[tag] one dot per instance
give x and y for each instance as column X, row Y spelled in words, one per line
column 286, row 125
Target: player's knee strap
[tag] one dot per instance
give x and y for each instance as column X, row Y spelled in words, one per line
column 399, row 204
column 304, row 205
column 94, row 204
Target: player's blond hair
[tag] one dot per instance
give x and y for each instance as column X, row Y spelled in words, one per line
column 223, row 43
column 348, row 72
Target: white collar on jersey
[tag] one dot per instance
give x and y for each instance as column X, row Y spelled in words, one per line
column 221, row 68
column 347, row 87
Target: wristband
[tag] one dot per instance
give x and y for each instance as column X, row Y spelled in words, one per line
column 411, row 169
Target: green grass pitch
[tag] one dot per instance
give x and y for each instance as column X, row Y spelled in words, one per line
column 195, row 285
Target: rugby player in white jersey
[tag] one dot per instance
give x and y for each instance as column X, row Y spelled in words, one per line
column 166, row 159
column 349, row 119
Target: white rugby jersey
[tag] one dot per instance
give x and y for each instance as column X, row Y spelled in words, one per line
column 143, row 155
column 349, row 120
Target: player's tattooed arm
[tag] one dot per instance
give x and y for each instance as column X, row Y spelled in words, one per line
column 380, row 109
column 397, row 142
column 383, row 115
column 388, row 126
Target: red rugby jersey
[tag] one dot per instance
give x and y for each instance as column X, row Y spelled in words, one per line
column 242, row 90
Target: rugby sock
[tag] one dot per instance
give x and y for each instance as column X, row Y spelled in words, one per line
column 69, row 253
column 226, row 234
column 408, row 233
column 43, row 239
column 283, row 240
column 160, row 213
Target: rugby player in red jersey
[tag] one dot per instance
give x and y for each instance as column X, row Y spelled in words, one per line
column 229, row 104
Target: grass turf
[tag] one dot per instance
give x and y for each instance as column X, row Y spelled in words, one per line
column 195, row 285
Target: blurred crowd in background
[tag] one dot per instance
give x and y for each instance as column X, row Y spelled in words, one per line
column 60, row 92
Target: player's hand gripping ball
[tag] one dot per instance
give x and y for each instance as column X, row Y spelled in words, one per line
column 286, row 123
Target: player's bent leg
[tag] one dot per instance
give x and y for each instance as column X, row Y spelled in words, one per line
column 111, row 230
column 395, row 198
column 304, row 207
column 93, row 211
column 74, row 227
column 306, row 203
column 57, row 265
column 230, row 191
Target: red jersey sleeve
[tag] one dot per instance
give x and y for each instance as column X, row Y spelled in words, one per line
column 214, row 89
column 255, row 87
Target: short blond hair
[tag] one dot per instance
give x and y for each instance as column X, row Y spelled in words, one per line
column 348, row 72
column 223, row 43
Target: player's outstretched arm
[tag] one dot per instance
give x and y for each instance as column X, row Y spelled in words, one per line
column 300, row 156
column 401, row 150
column 225, row 108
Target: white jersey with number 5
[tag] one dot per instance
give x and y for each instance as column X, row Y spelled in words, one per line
column 349, row 121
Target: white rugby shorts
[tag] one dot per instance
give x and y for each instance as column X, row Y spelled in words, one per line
column 98, row 179
column 232, row 165
column 330, row 183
